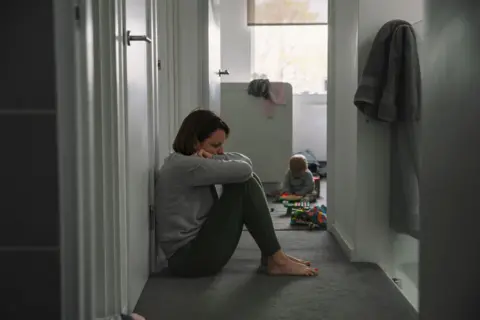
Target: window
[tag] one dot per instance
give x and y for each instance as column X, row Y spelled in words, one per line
column 295, row 54
column 290, row 42
column 287, row 12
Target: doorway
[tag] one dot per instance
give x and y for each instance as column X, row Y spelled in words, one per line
column 289, row 46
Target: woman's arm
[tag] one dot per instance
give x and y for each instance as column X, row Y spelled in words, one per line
column 202, row 172
column 233, row 156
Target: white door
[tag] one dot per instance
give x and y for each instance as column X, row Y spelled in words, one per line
column 139, row 143
column 214, row 55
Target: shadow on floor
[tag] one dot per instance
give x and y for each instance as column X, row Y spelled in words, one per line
column 342, row 290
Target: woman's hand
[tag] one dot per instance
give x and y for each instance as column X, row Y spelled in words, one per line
column 204, row 154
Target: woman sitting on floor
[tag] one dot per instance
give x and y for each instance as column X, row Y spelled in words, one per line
column 199, row 228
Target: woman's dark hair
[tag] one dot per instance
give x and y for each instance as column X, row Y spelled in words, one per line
column 195, row 128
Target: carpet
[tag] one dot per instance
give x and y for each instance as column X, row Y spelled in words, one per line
column 342, row 290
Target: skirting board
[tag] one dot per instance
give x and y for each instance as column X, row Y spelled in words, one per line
column 406, row 288
column 345, row 245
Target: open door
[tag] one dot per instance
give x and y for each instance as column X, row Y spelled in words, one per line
column 214, row 72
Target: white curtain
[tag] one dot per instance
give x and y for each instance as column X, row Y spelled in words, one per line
column 294, row 54
column 287, row 12
column 290, row 42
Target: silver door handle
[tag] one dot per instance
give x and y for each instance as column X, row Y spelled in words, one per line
column 137, row 38
column 222, row 72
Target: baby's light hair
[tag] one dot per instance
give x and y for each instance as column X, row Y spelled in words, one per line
column 298, row 164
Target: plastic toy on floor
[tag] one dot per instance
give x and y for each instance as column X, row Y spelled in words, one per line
column 295, row 204
column 314, row 218
column 311, row 197
column 288, row 197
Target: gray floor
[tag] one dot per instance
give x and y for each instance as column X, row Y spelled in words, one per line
column 342, row 291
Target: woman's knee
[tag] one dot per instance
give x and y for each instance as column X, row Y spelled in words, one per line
column 255, row 179
column 253, row 182
column 253, row 186
column 242, row 187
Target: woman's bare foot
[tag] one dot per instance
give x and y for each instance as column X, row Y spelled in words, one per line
column 304, row 262
column 137, row 317
column 282, row 265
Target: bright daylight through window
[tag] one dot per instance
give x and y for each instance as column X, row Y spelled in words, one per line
column 290, row 42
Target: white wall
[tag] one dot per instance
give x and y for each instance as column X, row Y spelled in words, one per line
column 359, row 150
column 180, row 51
column 236, row 41
column 189, row 58
column 310, row 124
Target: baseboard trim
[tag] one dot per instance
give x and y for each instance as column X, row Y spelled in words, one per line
column 345, row 244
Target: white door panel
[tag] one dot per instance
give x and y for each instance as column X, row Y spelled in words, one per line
column 138, row 149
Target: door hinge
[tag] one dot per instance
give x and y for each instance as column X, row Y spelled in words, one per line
column 77, row 13
column 159, row 64
column 151, row 209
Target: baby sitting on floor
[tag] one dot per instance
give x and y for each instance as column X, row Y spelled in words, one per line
column 298, row 179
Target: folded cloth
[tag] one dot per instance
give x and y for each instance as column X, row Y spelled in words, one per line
column 260, row 88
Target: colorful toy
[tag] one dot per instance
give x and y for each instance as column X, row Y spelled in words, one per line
column 297, row 204
column 289, row 197
column 291, row 205
column 314, row 218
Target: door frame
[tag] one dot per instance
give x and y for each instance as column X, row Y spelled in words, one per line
column 70, row 83
column 75, row 106
column 110, row 167
column 91, row 92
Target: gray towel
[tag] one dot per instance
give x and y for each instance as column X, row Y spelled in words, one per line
column 390, row 86
column 260, row 88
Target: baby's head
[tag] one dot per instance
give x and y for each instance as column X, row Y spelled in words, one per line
column 298, row 165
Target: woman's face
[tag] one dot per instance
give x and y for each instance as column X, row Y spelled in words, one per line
column 214, row 143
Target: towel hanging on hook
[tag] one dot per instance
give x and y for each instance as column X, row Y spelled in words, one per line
column 272, row 93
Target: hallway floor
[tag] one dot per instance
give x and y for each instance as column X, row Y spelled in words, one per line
column 342, row 290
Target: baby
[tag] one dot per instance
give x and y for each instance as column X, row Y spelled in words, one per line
column 298, row 179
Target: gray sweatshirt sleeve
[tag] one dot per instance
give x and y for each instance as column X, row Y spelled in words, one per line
column 308, row 184
column 204, row 172
column 233, row 156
